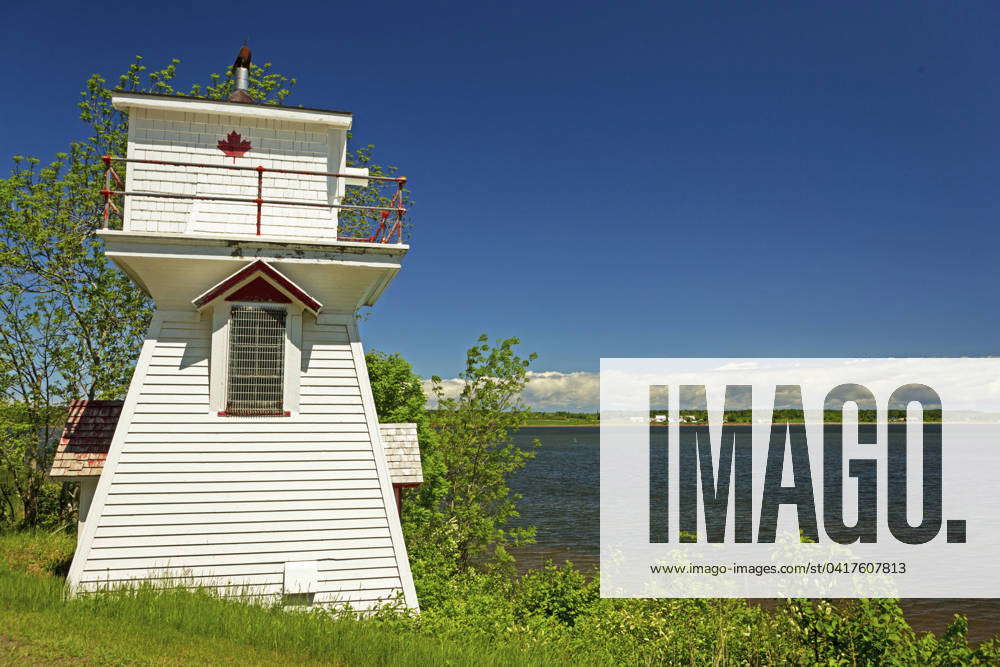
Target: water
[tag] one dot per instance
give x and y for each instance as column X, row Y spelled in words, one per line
column 561, row 490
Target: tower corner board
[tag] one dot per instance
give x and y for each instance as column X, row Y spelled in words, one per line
column 247, row 456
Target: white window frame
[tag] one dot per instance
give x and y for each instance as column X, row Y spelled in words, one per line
column 219, row 364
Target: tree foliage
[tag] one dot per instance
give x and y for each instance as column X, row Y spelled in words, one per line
column 473, row 431
column 461, row 513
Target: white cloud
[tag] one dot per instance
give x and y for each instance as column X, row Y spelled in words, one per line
column 546, row 391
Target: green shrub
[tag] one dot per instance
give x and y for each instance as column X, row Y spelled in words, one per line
column 559, row 593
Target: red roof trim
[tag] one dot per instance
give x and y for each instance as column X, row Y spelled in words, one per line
column 258, row 266
column 259, row 289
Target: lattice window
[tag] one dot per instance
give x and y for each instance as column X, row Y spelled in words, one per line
column 256, row 361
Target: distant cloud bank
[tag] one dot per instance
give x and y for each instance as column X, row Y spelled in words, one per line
column 546, row 391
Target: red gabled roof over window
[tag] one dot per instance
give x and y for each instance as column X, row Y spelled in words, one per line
column 254, row 289
column 259, row 289
column 86, row 438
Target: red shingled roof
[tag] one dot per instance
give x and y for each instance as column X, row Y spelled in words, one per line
column 90, row 426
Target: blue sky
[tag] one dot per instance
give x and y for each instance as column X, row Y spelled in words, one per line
column 622, row 180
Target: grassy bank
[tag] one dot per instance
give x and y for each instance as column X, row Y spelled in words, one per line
column 144, row 626
column 551, row 616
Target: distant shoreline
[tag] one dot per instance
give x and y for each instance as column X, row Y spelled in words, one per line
column 662, row 425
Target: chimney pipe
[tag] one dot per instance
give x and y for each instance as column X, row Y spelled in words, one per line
column 241, row 77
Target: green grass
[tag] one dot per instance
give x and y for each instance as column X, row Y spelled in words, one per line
column 145, row 626
column 551, row 616
column 37, row 552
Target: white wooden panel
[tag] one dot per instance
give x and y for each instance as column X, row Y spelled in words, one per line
column 329, row 353
column 301, row 504
column 166, row 398
column 150, row 390
column 247, row 527
column 330, row 570
column 237, row 491
column 228, row 426
column 180, row 377
column 318, row 405
column 281, row 479
column 363, row 583
column 301, row 512
column 182, row 551
column 301, row 445
column 168, row 420
column 216, row 560
column 324, row 381
column 332, row 373
column 329, row 363
column 346, row 405
column 352, row 461
column 197, row 408
column 325, row 393
column 255, row 540
column 246, row 436
column 184, row 367
column 351, row 597
column 254, row 583
column 174, row 461
column 180, row 498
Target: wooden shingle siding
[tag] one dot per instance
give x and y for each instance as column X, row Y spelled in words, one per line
column 402, row 452
column 173, row 136
column 225, row 502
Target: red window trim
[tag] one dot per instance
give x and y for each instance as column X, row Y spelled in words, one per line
column 286, row 413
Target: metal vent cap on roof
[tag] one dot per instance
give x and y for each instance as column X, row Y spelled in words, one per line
column 241, row 77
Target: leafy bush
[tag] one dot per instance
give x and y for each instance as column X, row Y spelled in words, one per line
column 560, row 593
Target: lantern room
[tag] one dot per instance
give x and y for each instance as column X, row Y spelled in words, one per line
column 217, row 167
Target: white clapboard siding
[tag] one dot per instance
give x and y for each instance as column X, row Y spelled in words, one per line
column 240, row 466
column 330, row 536
column 192, row 496
column 120, row 495
column 211, row 560
column 242, row 527
column 332, row 570
column 176, row 521
column 227, row 512
column 286, row 460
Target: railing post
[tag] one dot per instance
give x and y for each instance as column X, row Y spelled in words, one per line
column 260, row 194
column 107, row 190
column 400, row 212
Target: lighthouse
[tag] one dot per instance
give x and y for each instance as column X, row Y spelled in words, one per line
column 247, row 456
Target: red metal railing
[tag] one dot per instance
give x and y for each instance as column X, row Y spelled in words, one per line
column 384, row 232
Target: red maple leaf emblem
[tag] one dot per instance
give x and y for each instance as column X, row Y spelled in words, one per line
column 234, row 145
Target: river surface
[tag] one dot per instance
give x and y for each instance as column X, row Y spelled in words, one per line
column 561, row 490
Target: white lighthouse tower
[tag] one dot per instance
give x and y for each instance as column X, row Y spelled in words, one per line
column 247, row 454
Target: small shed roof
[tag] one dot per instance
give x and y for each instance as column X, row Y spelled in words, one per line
column 85, row 440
